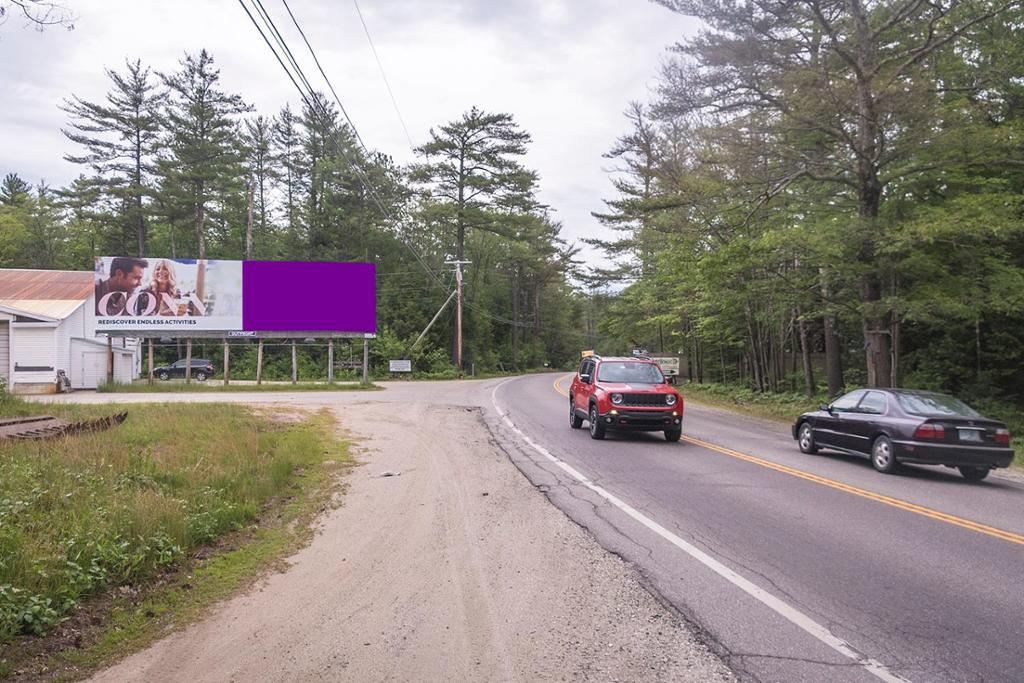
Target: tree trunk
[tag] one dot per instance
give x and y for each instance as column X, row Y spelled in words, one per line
column 805, row 353
column 515, row 318
column 869, row 197
column 201, row 222
column 138, row 195
column 248, row 225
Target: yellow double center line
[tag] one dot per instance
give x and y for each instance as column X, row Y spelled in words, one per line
column 839, row 486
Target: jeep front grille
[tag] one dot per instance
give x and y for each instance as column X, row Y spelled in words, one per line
column 643, row 399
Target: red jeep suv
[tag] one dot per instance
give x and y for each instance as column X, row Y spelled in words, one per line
column 627, row 394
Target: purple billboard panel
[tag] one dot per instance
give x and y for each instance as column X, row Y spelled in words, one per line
column 309, row 296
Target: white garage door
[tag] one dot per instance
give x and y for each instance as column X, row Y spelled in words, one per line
column 91, row 370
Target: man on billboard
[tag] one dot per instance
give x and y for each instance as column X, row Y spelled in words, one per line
column 125, row 277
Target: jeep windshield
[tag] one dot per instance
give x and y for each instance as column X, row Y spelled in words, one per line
column 630, row 373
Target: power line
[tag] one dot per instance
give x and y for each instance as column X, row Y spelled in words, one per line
column 380, row 66
column 326, row 79
column 316, row 106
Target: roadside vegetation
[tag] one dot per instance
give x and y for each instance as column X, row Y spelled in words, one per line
column 110, row 515
column 820, row 198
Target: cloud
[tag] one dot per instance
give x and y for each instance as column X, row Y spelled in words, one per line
column 564, row 69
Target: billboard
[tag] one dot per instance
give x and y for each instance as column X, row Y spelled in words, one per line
column 180, row 295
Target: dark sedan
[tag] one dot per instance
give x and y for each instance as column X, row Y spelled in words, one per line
column 893, row 426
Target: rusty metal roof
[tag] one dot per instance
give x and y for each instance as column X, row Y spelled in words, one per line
column 45, row 284
column 54, row 309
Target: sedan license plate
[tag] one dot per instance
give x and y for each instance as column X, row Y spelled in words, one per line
column 969, row 435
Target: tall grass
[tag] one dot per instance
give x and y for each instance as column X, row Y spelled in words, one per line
column 117, row 507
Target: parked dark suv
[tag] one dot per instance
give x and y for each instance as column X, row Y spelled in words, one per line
column 201, row 369
column 624, row 394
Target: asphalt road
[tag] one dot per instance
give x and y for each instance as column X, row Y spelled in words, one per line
column 791, row 567
column 918, row 575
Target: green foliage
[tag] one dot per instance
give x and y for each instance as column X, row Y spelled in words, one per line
column 773, row 191
column 128, row 503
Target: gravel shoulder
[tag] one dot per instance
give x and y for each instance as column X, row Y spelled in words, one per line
column 455, row 567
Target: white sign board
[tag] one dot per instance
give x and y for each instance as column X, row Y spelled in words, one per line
column 400, row 365
column 669, row 364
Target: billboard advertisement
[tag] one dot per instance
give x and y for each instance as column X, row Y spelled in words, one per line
column 182, row 295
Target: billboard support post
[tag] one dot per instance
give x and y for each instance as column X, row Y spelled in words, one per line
column 188, row 360
column 330, row 361
column 150, row 340
column 110, row 359
column 227, row 362
column 295, row 365
column 259, row 363
column 366, row 360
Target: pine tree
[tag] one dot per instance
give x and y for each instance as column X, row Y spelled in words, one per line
column 14, row 191
column 204, row 154
column 120, row 137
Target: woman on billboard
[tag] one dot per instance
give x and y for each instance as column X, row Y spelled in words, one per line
column 163, row 290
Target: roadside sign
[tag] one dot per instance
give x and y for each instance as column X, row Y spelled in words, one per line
column 586, row 354
column 241, row 333
column 640, row 352
column 669, row 365
column 400, row 365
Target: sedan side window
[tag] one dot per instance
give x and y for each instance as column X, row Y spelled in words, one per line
column 874, row 403
column 847, row 403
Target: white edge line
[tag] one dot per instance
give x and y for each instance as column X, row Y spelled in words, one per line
column 777, row 605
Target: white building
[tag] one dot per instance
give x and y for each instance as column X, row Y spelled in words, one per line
column 47, row 324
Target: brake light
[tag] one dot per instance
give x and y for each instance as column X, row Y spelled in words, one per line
column 930, row 432
column 1003, row 436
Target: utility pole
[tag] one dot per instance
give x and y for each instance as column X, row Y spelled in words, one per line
column 458, row 309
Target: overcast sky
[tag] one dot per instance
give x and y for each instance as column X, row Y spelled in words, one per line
column 565, row 70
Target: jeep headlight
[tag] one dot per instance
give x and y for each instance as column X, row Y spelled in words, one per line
column 670, row 400
column 617, row 399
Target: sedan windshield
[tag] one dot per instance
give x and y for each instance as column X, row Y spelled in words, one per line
column 635, row 373
column 935, row 405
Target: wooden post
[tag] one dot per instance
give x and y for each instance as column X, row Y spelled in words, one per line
column 259, row 363
column 150, row 340
column 366, row 360
column 227, row 362
column 188, row 360
column 330, row 361
column 110, row 360
column 295, row 364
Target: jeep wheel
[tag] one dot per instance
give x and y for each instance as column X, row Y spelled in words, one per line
column 575, row 421
column 596, row 428
column 673, row 435
column 163, row 375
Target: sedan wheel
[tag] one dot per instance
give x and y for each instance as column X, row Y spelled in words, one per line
column 575, row 421
column 806, row 439
column 882, row 457
column 973, row 473
column 164, row 376
column 596, row 428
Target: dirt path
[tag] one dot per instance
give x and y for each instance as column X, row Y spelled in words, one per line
column 456, row 569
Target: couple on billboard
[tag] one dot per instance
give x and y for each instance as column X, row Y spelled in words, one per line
column 122, row 293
